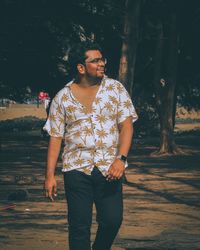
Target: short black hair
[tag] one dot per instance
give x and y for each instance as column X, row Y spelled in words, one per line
column 77, row 55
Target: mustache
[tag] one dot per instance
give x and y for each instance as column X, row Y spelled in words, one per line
column 101, row 68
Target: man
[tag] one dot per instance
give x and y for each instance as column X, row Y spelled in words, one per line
column 94, row 115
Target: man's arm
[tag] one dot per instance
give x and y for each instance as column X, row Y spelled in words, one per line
column 52, row 157
column 117, row 168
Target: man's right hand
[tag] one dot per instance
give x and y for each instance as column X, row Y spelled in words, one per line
column 50, row 187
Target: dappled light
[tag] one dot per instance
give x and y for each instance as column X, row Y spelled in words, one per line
column 160, row 197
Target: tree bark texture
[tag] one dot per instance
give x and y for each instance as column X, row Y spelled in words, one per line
column 129, row 44
column 166, row 55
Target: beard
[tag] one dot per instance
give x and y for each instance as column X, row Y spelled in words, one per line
column 95, row 79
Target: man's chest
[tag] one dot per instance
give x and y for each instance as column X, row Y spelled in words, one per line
column 101, row 102
column 85, row 97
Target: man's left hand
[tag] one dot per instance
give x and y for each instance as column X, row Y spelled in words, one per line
column 116, row 170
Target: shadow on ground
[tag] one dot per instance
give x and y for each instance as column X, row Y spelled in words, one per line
column 161, row 197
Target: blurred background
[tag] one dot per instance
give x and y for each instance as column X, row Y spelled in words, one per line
column 152, row 47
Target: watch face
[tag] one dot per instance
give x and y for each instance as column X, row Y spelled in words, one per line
column 123, row 158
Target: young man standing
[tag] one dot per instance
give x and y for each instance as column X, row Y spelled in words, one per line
column 94, row 116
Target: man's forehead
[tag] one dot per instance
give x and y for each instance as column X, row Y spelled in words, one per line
column 93, row 53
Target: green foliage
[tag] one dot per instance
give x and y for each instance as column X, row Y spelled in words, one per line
column 36, row 36
column 147, row 124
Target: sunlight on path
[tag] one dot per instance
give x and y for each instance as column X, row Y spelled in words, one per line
column 161, row 201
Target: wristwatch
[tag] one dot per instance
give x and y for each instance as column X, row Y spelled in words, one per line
column 122, row 158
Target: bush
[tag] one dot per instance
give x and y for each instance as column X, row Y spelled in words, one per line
column 21, row 124
column 147, row 123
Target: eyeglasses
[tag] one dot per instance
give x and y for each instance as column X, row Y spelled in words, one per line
column 98, row 60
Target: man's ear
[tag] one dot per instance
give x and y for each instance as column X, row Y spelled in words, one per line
column 81, row 68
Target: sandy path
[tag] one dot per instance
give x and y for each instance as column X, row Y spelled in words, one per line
column 16, row 111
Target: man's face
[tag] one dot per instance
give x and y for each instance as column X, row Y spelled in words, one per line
column 94, row 64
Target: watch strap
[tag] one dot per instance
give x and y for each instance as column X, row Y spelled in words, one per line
column 122, row 158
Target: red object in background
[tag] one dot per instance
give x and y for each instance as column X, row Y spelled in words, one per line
column 43, row 95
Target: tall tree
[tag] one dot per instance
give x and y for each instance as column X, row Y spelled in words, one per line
column 165, row 62
column 165, row 75
column 129, row 43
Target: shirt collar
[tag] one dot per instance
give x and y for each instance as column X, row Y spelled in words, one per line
column 69, row 83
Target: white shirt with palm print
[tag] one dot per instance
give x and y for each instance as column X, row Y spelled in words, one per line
column 91, row 139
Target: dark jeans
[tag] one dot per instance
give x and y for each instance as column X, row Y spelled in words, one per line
column 81, row 192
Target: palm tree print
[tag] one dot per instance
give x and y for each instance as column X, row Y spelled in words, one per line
column 91, row 136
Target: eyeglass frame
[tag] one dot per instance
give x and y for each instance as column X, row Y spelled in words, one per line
column 98, row 60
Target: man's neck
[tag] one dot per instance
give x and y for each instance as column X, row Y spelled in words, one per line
column 85, row 82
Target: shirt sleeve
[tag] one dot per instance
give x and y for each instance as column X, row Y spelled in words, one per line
column 55, row 124
column 125, row 105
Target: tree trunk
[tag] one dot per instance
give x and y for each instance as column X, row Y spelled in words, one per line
column 165, row 87
column 129, row 44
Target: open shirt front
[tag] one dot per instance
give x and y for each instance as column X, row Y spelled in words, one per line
column 91, row 139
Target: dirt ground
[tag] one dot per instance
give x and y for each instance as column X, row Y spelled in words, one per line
column 161, row 198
